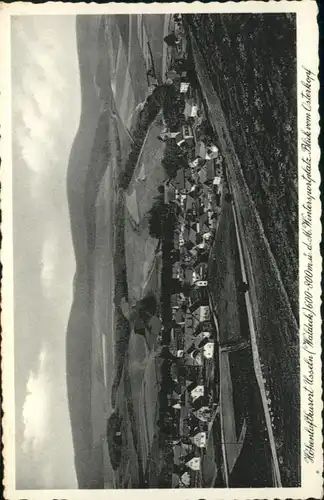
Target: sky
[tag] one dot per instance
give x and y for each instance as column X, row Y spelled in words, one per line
column 46, row 105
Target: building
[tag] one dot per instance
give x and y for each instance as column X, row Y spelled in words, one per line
column 209, row 152
column 191, row 110
column 203, row 226
column 176, row 403
column 196, row 356
column 171, row 40
column 166, row 134
column 205, row 334
column 204, row 413
column 201, row 313
column 196, row 391
column 179, row 182
column 206, row 346
column 184, row 480
column 199, row 439
column 201, row 283
column 179, row 317
column 201, row 270
column 173, row 75
column 193, row 462
column 184, row 87
column 197, row 162
column 212, row 152
column 190, row 202
column 169, row 193
column 187, row 131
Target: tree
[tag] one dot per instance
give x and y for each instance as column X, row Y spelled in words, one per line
column 173, row 159
column 176, row 286
column 171, row 40
column 156, row 217
column 173, row 108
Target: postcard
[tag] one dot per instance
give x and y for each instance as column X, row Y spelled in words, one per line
column 160, row 249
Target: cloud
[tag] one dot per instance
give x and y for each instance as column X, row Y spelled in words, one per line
column 36, row 406
column 42, row 96
column 50, row 252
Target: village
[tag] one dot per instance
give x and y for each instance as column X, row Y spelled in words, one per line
column 185, row 218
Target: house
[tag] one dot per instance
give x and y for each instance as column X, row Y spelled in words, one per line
column 204, row 413
column 166, row 134
column 202, row 175
column 196, row 356
column 192, row 236
column 187, row 131
column 180, row 140
column 174, row 300
column 201, row 313
column 179, row 181
column 205, row 334
column 201, row 271
column 191, row 110
column 192, row 461
column 171, row 40
column 175, row 273
column 203, row 223
column 207, row 347
column 173, row 75
column 176, row 403
column 180, row 450
column 184, row 480
column 190, row 202
column 179, row 317
column 139, row 327
column 198, row 161
column 207, row 152
column 210, row 170
column 199, row 439
column 184, row 87
column 188, row 276
column 189, row 186
column 169, row 193
column 207, row 236
column 196, row 391
column 185, row 234
column 216, row 181
column 212, row 151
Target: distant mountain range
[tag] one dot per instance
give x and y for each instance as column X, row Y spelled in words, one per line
column 87, row 155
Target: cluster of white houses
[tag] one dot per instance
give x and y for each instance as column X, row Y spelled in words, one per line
column 196, row 192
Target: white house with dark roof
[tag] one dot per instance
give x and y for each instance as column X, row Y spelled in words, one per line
column 209, row 152
column 199, row 439
column 166, row 134
column 207, row 346
column 184, row 480
column 196, row 391
column 201, row 313
column 193, row 462
column 196, row 356
column 191, row 110
column 203, row 335
column 205, row 413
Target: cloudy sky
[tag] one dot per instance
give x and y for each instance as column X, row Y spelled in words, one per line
column 46, row 112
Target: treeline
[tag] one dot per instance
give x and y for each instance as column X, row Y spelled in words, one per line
column 149, row 112
column 173, row 108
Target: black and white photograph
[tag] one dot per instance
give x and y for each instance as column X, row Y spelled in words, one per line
column 159, row 324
